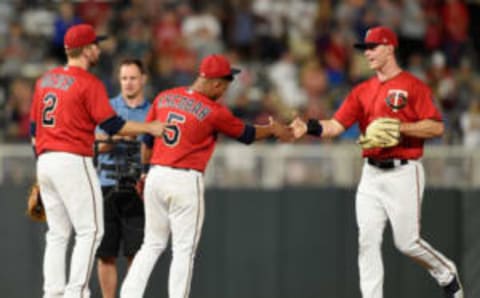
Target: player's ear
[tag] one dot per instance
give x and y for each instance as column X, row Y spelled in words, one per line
column 391, row 49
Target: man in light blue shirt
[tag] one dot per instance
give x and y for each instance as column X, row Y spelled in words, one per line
column 118, row 156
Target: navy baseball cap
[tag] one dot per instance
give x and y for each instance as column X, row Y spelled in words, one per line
column 378, row 36
column 81, row 35
column 217, row 66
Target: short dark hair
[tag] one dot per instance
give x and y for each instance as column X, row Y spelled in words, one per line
column 135, row 61
column 75, row 52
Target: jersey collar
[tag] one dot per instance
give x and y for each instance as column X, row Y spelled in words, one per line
column 123, row 102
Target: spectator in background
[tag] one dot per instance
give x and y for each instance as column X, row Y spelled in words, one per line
column 18, row 110
column 269, row 29
column 284, row 76
column 314, row 81
column 162, row 74
column 15, row 52
column 434, row 28
column 455, row 18
column 336, row 59
column 367, row 20
column 389, row 13
column 167, row 34
column 470, row 124
column 184, row 70
column 442, row 82
column 106, row 66
column 65, row 19
column 171, row 37
column 468, row 83
column 7, row 13
column 242, row 29
column 202, row 32
column 96, row 13
column 245, row 95
column 413, row 26
column 416, row 67
column 136, row 40
column 301, row 17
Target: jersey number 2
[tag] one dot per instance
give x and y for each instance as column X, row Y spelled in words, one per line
column 49, row 106
column 172, row 134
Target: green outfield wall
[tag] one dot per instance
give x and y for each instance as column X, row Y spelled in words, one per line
column 289, row 243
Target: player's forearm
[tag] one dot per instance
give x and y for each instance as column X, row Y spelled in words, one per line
column 331, row 128
column 134, row 128
column 131, row 128
column 263, row 132
column 424, row 129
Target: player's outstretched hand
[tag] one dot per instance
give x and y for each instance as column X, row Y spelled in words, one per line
column 299, row 128
column 157, row 128
column 282, row 132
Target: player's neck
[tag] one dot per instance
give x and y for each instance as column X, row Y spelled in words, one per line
column 78, row 62
column 201, row 87
column 133, row 102
column 388, row 71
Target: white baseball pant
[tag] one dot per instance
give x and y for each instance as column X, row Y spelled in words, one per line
column 395, row 195
column 72, row 198
column 174, row 202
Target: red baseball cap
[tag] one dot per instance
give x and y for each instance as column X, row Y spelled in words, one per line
column 81, row 35
column 217, row 66
column 377, row 36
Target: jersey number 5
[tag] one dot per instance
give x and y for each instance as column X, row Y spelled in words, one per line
column 49, row 106
column 172, row 134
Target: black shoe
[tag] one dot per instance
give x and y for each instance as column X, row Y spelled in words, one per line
column 454, row 288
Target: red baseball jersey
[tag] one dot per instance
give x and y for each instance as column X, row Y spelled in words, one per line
column 190, row 143
column 403, row 97
column 68, row 103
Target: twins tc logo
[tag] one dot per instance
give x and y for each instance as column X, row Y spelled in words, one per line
column 396, row 99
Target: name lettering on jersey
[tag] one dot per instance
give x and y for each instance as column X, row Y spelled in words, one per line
column 396, row 99
column 186, row 104
column 58, row 81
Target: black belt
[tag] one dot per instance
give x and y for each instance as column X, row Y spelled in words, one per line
column 181, row 169
column 386, row 164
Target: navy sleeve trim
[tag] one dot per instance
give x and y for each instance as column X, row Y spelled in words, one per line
column 33, row 129
column 112, row 125
column 147, row 139
column 248, row 135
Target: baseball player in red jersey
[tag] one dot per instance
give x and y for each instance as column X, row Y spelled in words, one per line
column 391, row 187
column 68, row 104
column 174, row 190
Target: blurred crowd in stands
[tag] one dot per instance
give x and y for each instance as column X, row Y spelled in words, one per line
column 296, row 55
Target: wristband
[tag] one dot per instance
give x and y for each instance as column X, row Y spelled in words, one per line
column 314, row 127
column 145, row 168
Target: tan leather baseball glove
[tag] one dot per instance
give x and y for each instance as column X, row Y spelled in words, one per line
column 381, row 133
column 35, row 209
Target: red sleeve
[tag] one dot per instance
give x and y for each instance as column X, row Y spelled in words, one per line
column 97, row 102
column 424, row 105
column 350, row 110
column 225, row 122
